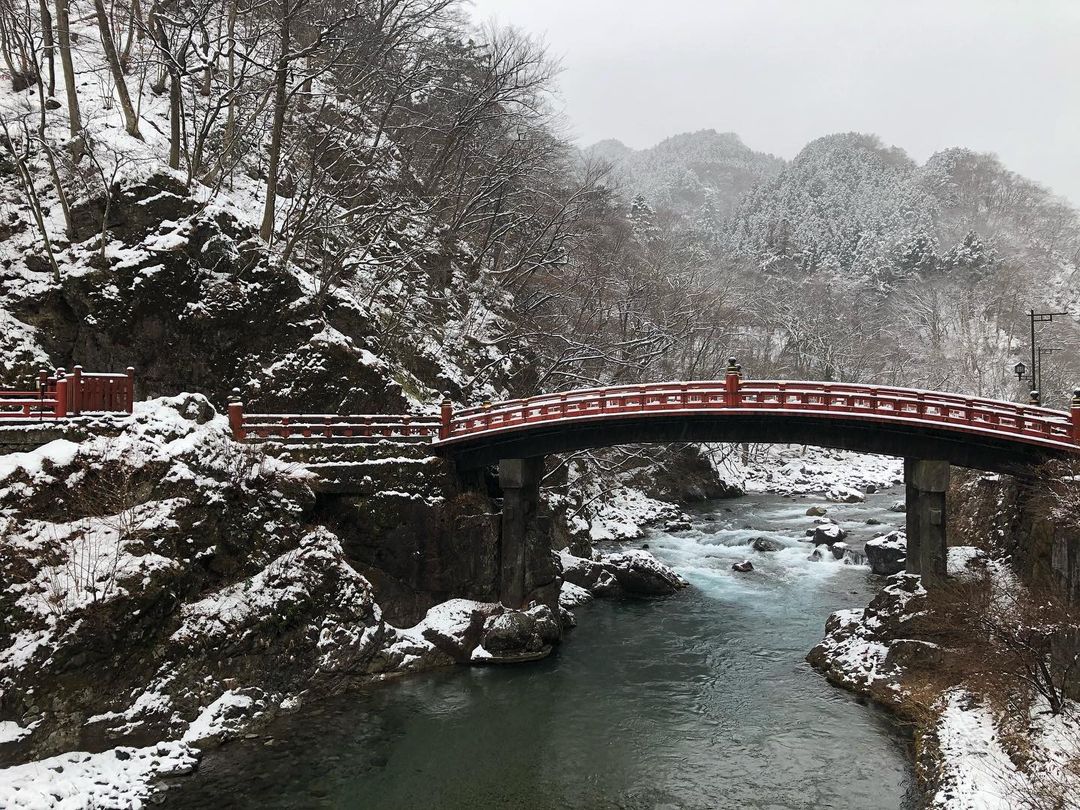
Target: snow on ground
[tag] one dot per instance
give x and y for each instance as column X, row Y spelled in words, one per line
column 798, row 470
column 624, row 515
column 12, row 732
column 113, row 780
column 977, row 772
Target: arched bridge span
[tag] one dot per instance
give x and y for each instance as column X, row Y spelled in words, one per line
column 965, row 431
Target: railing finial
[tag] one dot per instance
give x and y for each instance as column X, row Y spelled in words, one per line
column 446, row 415
column 235, row 408
column 731, row 383
column 1076, row 416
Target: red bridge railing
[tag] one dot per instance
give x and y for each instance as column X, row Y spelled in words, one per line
column 60, row 395
column 331, row 427
column 733, row 395
column 1029, row 423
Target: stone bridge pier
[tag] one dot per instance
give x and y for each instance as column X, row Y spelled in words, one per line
column 927, row 484
column 527, row 572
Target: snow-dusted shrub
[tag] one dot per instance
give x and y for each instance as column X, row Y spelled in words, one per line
column 1005, row 638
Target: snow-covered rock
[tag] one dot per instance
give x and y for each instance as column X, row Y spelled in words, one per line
column 842, row 494
column 826, row 533
column 634, row 572
column 887, row 554
column 118, row 779
column 854, row 651
column 639, row 573
column 572, row 596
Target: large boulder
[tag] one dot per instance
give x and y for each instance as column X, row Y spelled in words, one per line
column 633, row 573
column 590, row 575
column 517, row 635
column 639, row 573
column 572, row 596
column 828, row 533
column 845, row 495
column 511, row 632
column 887, row 554
column 456, row 626
column 764, row 544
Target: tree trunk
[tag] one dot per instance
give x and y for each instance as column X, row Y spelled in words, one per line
column 172, row 66
column 266, row 231
column 48, row 43
column 63, row 33
column 131, row 121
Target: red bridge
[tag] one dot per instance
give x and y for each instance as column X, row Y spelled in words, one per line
column 928, row 429
column 966, row 431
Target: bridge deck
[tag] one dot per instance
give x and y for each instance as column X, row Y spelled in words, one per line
column 973, row 431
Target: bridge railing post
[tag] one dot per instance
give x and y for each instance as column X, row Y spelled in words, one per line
column 236, row 415
column 1076, row 416
column 129, row 372
column 731, row 383
column 446, row 415
column 76, row 384
column 60, row 407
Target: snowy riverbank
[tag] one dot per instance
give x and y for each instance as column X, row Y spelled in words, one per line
column 983, row 739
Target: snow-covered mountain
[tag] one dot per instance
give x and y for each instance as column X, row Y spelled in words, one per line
column 694, row 174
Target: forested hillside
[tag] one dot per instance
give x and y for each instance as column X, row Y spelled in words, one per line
column 854, row 262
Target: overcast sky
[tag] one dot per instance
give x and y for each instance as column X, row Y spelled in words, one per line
column 994, row 75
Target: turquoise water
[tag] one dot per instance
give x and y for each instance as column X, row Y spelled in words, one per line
column 700, row 700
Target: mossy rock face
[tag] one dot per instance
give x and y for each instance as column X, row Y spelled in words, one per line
column 417, row 552
column 134, row 210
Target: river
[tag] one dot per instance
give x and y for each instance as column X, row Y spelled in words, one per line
column 701, row 700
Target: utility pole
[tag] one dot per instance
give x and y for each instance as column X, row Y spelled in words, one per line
column 1036, row 369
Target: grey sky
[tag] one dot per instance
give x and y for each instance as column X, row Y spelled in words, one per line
column 994, row 75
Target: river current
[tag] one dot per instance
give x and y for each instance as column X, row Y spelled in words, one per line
column 700, row 700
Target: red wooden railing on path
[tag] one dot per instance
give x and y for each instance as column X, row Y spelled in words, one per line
column 61, row 395
column 1030, row 424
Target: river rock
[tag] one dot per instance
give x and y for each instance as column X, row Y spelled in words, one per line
column 680, row 524
column 827, row 534
column 511, row 633
column 870, row 521
column 870, row 489
column 887, row 554
column 590, row 575
column 764, row 544
column 634, row 572
column 546, row 623
column 816, row 511
column 845, row 495
column 743, row 567
column 455, row 627
column 898, row 506
column 572, row 596
column 567, row 618
column 639, row 573
column 819, row 553
column 839, row 549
